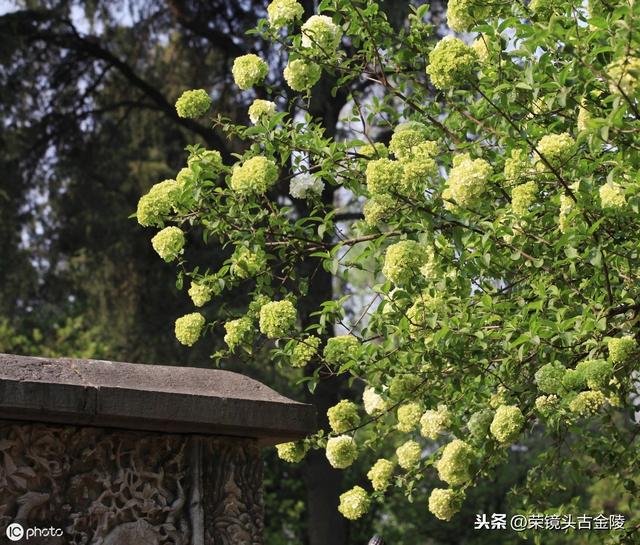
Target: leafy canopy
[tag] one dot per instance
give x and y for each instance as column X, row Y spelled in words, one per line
column 485, row 255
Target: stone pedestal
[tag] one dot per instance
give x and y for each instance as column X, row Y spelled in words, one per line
column 104, row 453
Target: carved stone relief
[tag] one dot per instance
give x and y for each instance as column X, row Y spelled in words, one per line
column 117, row 487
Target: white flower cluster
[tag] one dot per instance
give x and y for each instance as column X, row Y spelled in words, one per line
column 306, row 186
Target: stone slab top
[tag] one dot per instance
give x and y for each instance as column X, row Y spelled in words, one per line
column 148, row 397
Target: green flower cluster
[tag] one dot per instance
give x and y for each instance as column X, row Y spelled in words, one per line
column 200, row 294
column 402, row 386
column 516, row 166
column 238, row 332
column 468, row 180
column 479, row 422
column 375, row 150
column 192, row 104
column 402, row 261
column 320, row 31
column 254, row 177
column 451, row 63
column 380, row 474
column 445, row 503
column 378, row 209
column 168, row 243
column 261, row 110
column 408, row 454
column 507, row 423
column 547, row 405
column 549, row 377
column 341, row 451
column 373, row 402
column 557, row 149
column 383, row 175
column 612, row 196
column 566, row 207
column 522, row 197
column 620, row 350
column 587, row 403
column 304, row 351
column 156, row 205
column 624, row 76
column 341, row 349
column 433, row 423
column 248, row 262
column 189, row 327
column 249, row 70
column 410, row 139
column 354, row 503
column 293, row 452
column 456, row 463
column 343, row 416
column 277, row 319
column 420, row 313
column 283, row 12
column 301, row 75
column 463, row 14
column 409, row 416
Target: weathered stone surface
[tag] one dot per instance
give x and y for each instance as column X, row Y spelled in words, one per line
column 114, row 487
column 148, row 397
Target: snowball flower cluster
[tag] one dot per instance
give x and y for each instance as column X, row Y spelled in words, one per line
column 382, row 175
column 407, row 137
column 341, row 349
column 479, row 422
column 624, row 76
column 620, row 350
column 445, row 503
column 237, row 332
column 277, row 319
column 468, row 180
column 546, row 405
column 612, row 196
column 402, row 386
column 248, row 262
column 304, row 351
column 409, row 416
column 306, row 186
column 451, row 63
column 380, row 474
column 433, row 423
column 249, row 70
column 261, row 110
column 557, row 149
column 343, row 416
column 354, row 503
column 566, row 207
column 320, row 31
column 549, row 377
column 301, row 75
column 408, row 454
column 455, row 464
column 168, row 243
column 189, row 327
column 378, row 209
column 156, row 205
column 282, row 12
column 421, row 313
column 402, row 261
column 516, row 166
column 254, row 176
column 522, row 197
column 192, row 104
column 373, row 402
column 596, row 373
column 341, row 451
column 507, row 423
column 462, row 14
column 587, row 403
column 292, row 452
column 200, row 294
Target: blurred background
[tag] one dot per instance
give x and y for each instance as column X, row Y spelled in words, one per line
column 87, row 126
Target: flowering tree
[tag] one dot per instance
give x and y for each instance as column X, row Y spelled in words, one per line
column 485, row 259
